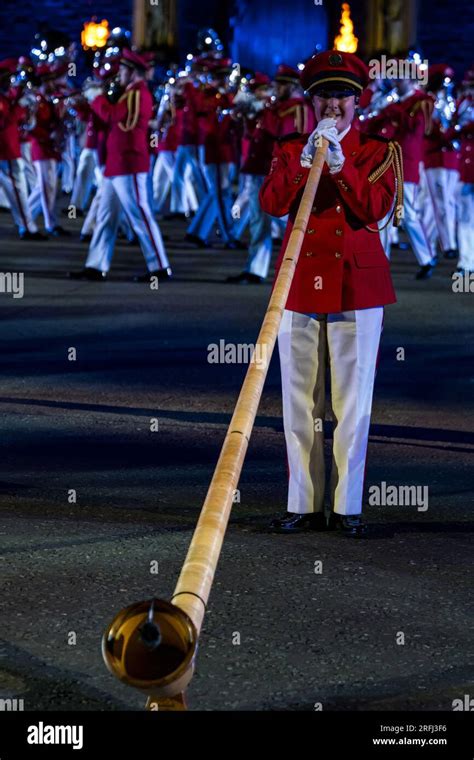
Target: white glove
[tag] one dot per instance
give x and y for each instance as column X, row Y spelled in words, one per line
column 335, row 157
column 92, row 92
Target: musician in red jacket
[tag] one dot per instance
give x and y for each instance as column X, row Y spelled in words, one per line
column 465, row 120
column 334, row 312
column 12, row 175
column 125, row 177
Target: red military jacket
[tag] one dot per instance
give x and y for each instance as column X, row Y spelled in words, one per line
column 128, row 144
column 438, row 150
column 215, row 127
column 407, row 122
column 11, row 114
column 257, row 148
column 466, row 136
column 289, row 116
column 46, row 134
column 342, row 266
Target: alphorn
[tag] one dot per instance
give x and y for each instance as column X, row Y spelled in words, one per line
column 152, row 645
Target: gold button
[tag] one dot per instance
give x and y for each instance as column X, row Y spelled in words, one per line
column 309, row 253
column 354, row 152
column 468, row 147
column 384, row 130
column 338, row 255
column 339, row 232
column 310, row 232
column 338, row 209
column 314, row 209
column 468, row 160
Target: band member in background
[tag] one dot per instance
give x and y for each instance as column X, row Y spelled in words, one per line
column 465, row 121
column 12, row 175
column 407, row 122
column 334, row 313
column 126, row 176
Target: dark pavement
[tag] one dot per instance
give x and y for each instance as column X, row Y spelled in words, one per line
column 305, row 638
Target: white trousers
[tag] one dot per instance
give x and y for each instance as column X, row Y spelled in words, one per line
column 188, row 183
column 13, row 184
column 215, row 207
column 240, row 209
column 84, row 180
column 439, row 212
column 129, row 192
column 68, row 164
column 43, row 196
column 162, row 178
column 348, row 343
column 260, row 227
column 412, row 222
column 466, row 226
column 30, row 172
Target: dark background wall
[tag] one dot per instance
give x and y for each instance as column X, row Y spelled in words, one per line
column 260, row 33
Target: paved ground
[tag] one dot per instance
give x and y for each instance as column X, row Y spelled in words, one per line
column 85, row 425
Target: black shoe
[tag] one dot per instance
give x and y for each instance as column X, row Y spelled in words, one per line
column 174, row 215
column 451, row 254
column 27, row 235
column 85, row 238
column 161, row 274
column 348, row 525
column 235, row 245
column 196, row 240
column 425, row 272
column 59, row 231
column 89, row 273
column 245, row 278
column 294, row 523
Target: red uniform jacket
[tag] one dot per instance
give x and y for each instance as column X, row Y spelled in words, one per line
column 438, row 150
column 407, row 122
column 128, row 143
column 289, row 116
column 46, row 134
column 466, row 164
column 257, row 148
column 11, row 114
column 342, row 266
column 215, row 128
column 188, row 134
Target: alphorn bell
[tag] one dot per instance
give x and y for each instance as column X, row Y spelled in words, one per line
column 152, row 645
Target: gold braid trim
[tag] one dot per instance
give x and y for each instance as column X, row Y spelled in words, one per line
column 395, row 158
column 133, row 111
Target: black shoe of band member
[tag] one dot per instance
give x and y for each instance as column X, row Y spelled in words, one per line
column 451, row 254
column 245, row 278
column 59, row 231
column 27, row 235
column 347, row 525
column 161, row 274
column 88, row 273
column 425, row 272
column 195, row 240
column 85, row 238
column 296, row 523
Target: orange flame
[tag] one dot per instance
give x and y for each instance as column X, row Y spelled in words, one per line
column 346, row 40
column 94, row 35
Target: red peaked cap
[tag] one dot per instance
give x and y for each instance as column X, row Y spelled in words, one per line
column 335, row 69
column 133, row 60
column 288, row 74
column 259, row 80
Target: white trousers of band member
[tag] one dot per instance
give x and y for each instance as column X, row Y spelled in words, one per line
column 215, row 208
column 68, row 164
column 413, row 224
column 13, row 184
column 279, row 226
column 84, row 180
column 348, row 343
column 30, row 172
column 163, row 171
column 188, row 185
column 91, row 216
column 439, row 210
column 240, row 209
column 466, row 226
column 128, row 192
column 260, row 227
column 43, row 196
